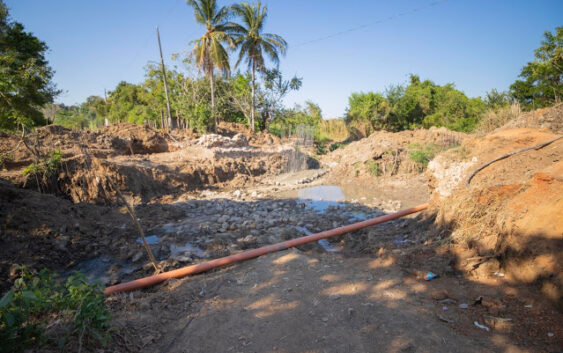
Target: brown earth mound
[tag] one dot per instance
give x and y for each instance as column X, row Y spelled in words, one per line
column 141, row 162
column 387, row 154
column 508, row 222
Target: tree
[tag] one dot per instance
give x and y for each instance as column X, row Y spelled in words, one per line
column 208, row 50
column 542, row 83
column 495, row 99
column 370, row 106
column 128, row 102
column 25, row 75
column 275, row 89
column 252, row 44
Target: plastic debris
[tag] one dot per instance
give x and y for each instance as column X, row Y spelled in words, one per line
column 448, row 301
column 463, row 306
column 483, row 327
column 550, row 334
column 430, row 276
column 528, row 306
column 444, row 308
column 499, row 274
column 499, row 319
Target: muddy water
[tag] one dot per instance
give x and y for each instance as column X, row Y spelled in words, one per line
column 320, row 198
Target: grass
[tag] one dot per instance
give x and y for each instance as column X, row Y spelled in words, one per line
column 495, row 118
column 334, row 130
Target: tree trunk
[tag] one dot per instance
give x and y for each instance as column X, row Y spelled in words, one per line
column 213, row 101
column 253, row 99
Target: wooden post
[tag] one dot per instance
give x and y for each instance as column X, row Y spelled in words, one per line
column 170, row 121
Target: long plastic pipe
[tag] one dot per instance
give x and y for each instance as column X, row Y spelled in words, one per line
column 250, row 254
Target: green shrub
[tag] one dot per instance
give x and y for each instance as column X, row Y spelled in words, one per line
column 335, row 146
column 320, row 149
column 423, row 155
column 40, row 311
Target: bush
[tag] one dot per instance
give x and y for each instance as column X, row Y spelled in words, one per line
column 423, row 155
column 40, row 311
column 335, row 146
column 418, row 104
column 320, row 148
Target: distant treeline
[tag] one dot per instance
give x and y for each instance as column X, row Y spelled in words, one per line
column 419, row 103
column 204, row 91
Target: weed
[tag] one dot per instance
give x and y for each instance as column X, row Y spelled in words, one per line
column 423, row 155
column 45, row 167
column 460, row 152
column 320, row 149
column 3, row 158
column 40, row 311
column 373, row 168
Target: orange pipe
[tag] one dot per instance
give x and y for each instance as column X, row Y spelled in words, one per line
column 250, row 254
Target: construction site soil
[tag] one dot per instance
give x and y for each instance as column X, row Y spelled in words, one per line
column 496, row 245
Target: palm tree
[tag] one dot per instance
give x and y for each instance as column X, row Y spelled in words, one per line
column 208, row 49
column 253, row 43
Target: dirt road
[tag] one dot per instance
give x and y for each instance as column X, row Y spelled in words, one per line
column 297, row 302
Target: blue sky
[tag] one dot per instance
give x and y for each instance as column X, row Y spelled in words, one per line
column 476, row 44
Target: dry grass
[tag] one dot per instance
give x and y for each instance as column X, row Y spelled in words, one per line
column 334, row 130
column 471, row 215
column 493, row 119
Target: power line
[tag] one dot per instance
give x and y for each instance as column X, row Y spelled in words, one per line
column 357, row 28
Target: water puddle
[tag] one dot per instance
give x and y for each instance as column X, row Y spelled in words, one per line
column 319, row 198
column 177, row 251
column 103, row 269
column 151, row 240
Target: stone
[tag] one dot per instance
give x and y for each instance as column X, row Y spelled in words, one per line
column 137, row 256
column 62, row 242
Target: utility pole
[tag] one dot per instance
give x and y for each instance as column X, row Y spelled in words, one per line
column 106, row 121
column 170, row 121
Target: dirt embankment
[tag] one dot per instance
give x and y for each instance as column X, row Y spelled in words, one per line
column 545, row 118
column 508, row 221
column 141, row 162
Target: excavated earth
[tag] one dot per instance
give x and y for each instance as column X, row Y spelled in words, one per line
column 495, row 246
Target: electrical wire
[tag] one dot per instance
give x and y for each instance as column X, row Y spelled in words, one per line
column 357, row 28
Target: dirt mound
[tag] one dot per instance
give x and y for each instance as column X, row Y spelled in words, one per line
column 119, row 139
column 143, row 163
column 449, row 170
column 139, row 139
column 546, row 118
column 509, row 220
column 388, row 154
column 258, row 138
